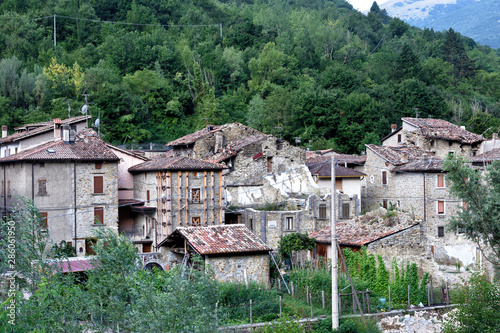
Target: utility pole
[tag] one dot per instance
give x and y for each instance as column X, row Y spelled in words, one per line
column 333, row 227
column 55, row 42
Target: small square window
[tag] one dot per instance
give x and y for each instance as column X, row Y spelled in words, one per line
column 440, row 231
column 195, row 195
column 42, row 187
column 384, row 177
column 440, row 180
column 196, row 221
column 440, row 207
column 251, row 224
column 399, row 138
column 98, row 165
column 289, row 223
column 322, row 211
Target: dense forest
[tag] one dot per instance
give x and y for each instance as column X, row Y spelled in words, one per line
column 154, row 70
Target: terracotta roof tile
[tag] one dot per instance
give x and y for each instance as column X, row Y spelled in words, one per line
column 487, row 157
column 431, row 164
column 322, row 168
column 399, row 154
column 190, row 138
column 87, row 147
column 441, row 129
column 161, row 162
column 222, row 239
column 72, row 265
column 40, row 128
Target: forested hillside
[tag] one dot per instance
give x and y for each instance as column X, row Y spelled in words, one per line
column 314, row 69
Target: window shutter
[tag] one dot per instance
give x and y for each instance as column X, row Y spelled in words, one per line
column 384, row 177
column 44, row 221
column 98, row 215
column 440, row 207
column 98, row 184
column 440, row 180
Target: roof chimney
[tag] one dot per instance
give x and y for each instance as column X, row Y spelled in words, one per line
column 4, row 131
column 65, row 131
column 462, row 127
column 394, row 127
column 57, row 126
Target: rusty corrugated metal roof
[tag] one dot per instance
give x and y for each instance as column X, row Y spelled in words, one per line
column 222, row 239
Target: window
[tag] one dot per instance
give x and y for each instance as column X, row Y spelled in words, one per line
column 43, row 220
column 269, row 164
column 384, row 203
column 42, row 187
column 473, row 153
column 251, row 224
column 450, row 143
column 432, row 143
column 440, row 207
column 98, row 165
column 98, row 215
column 451, row 153
column 345, row 210
column 196, row 221
column 146, row 248
column 98, row 184
column 42, row 164
column 399, row 138
column 195, row 195
column 289, row 223
column 384, row 177
column 440, row 180
column 322, row 211
column 440, row 231
column 147, row 196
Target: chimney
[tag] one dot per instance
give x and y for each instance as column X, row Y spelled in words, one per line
column 495, row 136
column 425, row 157
column 394, row 127
column 462, row 127
column 65, row 131
column 219, row 141
column 4, row 131
column 57, row 128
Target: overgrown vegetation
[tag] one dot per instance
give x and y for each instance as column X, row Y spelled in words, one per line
column 294, row 242
column 317, row 70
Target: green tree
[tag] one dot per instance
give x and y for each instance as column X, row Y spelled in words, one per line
column 454, row 53
column 294, row 242
column 480, row 190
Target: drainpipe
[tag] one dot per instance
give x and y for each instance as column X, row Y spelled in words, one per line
column 74, row 194
column 33, row 182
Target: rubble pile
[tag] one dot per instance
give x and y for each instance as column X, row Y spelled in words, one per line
column 419, row 322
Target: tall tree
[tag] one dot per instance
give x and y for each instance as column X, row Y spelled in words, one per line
column 454, row 52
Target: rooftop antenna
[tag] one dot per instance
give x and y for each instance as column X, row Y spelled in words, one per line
column 69, row 109
column 98, row 124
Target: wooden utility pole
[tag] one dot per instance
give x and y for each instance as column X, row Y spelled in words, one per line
column 333, row 226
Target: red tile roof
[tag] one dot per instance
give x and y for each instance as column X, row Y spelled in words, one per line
column 399, row 154
column 355, row 234
column 487, row 157
column 431, row 164
column 161, row 162
column 222, row 239
column 40, row 128
column 72, row 265
column 323, row 168
column 232, row 149
column 441, row 129
column 88, row 146
column 190, row 138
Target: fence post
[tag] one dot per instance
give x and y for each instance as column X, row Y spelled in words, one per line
column 307, row 294
column 251, row 318
column 389, row 298
column 279, row 285
column 216, row 315
column 311, row 308
column 323, row 298
column 409, row 297
column 280, row 307
column 368, row 299
column 293, row 291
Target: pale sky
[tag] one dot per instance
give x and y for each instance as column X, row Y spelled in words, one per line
column 364, row 5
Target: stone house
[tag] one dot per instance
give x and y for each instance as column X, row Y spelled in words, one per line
column 31, row 135
column 347, row 181
column 173, row 192
column 260, row 167
column 232, row 251
column 406, row 173
column 72, row 180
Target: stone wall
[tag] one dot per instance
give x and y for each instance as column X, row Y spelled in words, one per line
column 253, row 268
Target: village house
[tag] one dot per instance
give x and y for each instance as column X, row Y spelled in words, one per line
column 260, row 168
column 31, row 135
column 233, row 252
column 72, row 180
column 172, row 192
column 406, row 173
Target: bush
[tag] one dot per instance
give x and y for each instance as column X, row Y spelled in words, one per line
column 478, row 309
column 347, row 326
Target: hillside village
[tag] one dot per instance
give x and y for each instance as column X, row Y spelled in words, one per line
column 229, row 192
